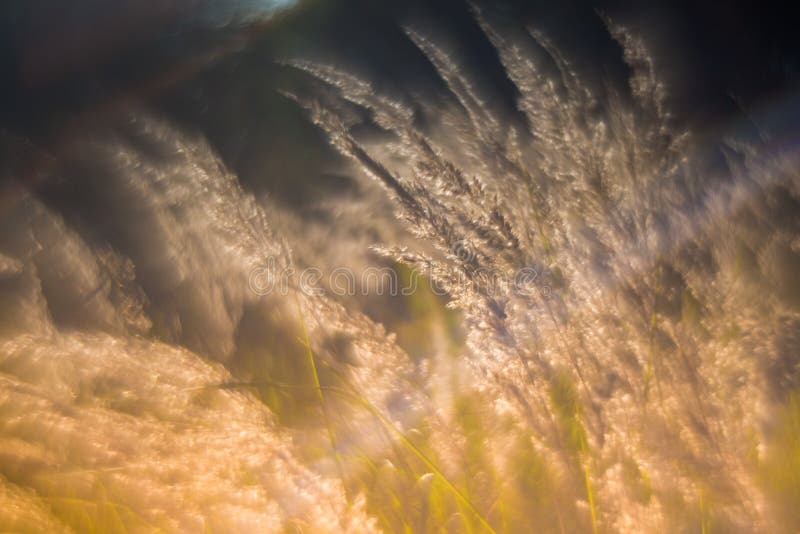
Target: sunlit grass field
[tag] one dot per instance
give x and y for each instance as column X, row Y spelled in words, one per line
column 603, row 334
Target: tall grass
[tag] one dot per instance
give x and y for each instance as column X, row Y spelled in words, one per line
column 638, row 243
column 644, row 381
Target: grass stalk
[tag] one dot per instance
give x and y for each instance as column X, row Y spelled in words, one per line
column 323, row 404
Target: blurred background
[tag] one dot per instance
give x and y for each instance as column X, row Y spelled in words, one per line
column 152, row 155
column 214, row 66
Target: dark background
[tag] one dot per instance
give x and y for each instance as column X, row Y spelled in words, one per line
column 72, row 66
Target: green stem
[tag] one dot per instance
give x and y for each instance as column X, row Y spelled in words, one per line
column 318, row 386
